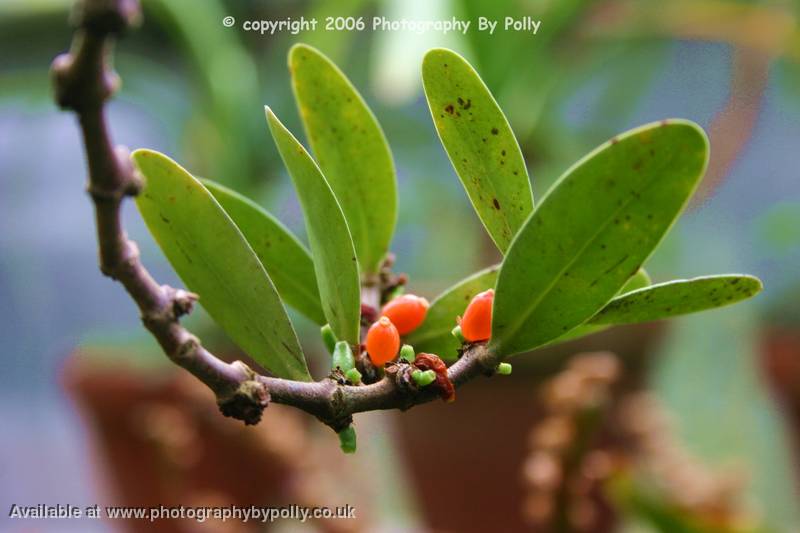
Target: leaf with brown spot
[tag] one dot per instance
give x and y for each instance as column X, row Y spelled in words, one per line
column 677, row 297
column 351, row 150
column 580, row 245
column 474, row 145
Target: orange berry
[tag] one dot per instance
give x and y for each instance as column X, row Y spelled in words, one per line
column 383, row 341
column 476, row 324
column 407, row 312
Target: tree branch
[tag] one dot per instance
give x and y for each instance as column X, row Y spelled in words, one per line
column 83, row 82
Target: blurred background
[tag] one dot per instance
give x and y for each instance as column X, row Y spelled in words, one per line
column 691, row 425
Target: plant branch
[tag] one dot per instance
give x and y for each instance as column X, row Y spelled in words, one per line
column 84, row 81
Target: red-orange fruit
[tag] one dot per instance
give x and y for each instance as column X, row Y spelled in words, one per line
column 407, row 312
column 476, row 324
column 383, row 341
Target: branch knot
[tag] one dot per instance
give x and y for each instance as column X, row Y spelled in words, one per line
column 248, row 401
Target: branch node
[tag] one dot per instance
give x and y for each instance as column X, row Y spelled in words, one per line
column 131, row 180
column 339, row 418
column 80, row 84
column 126, row 260
column 106, row 16
column 182, row 301
column 401, row 373
column 248, row 401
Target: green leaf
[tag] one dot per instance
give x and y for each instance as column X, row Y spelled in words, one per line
column 215, row 261
column 434, row 336
column 678, row 297
column 637, row 281
column 479, row 143
column 335, row 261
column 284, row 257
column 351, row 150
column 594, row 229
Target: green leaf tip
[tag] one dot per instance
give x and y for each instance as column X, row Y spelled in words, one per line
column 214, row 260
column 678, row 297
column 351, row 150
column 335, row 262
column 557, row 275
column 347, row 440
column 479, row 143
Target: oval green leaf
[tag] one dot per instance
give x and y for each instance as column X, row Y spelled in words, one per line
column 677, row 297
column 335, row 262
column 286, row 259
column 351, row 150
column 480, row 144
column 592, row 232
column 213, row 258
column 433, row 336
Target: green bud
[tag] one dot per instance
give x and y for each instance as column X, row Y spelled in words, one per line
column 343, row 357
column 423, row 378
column 347, row 440
column 407, row 353
column 504, row 369
column 328, row 337
column 456, row 332
column 353, row 376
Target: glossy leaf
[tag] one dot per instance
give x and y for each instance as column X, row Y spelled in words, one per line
column 215, row 261
column 286, row 259
column 678, row 297
column 637, row 281
column 479, row 143
column 598, row 224
column 433, row 336
column 335, row 261
column 351, row 150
